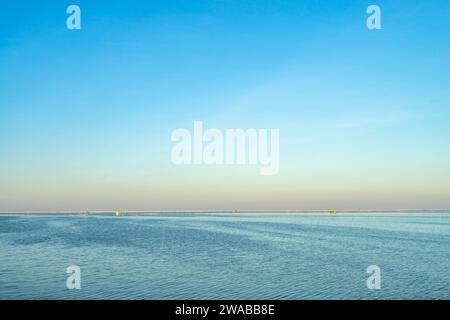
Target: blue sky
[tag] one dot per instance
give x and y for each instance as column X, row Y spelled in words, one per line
column 86, row 115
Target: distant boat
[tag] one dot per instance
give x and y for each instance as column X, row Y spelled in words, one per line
column 333, row 211
column 117, row 213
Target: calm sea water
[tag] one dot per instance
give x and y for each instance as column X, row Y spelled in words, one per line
column 226, row 256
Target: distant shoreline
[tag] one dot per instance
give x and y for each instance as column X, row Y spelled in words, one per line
column 92, row 212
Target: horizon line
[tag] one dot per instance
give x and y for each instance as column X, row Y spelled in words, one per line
column 24, row 212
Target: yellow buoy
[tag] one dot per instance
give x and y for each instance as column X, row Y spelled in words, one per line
column 333, row 211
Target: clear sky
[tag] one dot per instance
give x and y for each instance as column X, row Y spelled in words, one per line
column 86, row 115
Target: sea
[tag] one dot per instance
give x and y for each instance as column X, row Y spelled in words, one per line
column 236, row 256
